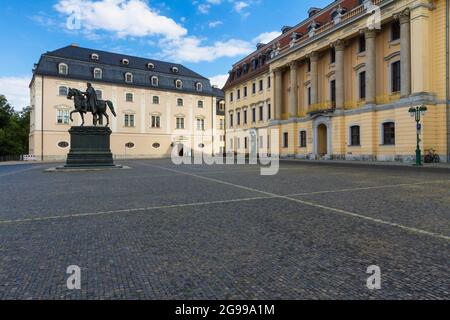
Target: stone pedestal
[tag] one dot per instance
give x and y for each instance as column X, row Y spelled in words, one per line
column 90, row 147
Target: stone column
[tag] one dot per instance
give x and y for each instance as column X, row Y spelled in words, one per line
column 371, row 71
column 314, row 58
column 278, row 103
column 293, row 94
column 405, row 53
column 421, row 49
column 339, row 47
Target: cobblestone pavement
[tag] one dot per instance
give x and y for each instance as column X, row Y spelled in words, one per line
column 224, row 232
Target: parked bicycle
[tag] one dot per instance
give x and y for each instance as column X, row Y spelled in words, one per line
column 431, row 156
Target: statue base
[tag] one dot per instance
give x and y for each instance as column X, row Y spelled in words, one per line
column 90, row 148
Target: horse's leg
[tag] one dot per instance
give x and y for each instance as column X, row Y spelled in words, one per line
column 71, row 119
column 94, row 119
column 107, row 119
column 82, row 118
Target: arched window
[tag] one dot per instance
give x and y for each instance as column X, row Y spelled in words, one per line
column 388, row 133
column 125, row 62
column 63, row 91
column 155, row 81
column 63, row 69
column 155, row 100
column 199, row 87
column 150, row 66
column 98, row 73
column 174, row 69
column 95, row 57
column 128, row 77
column 179, row 84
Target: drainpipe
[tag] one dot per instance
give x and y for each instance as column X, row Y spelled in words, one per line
column 42, row 121
column 447, row 89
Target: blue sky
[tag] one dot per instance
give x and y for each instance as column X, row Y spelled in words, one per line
column 207, row 36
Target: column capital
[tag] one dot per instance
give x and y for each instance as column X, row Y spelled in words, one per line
column 313, row 56
column 370, row 33
column 278, row 71
column 293, row 64
column 339, row 45
column 403, row 17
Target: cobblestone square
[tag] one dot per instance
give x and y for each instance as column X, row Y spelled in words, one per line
column 224, row 232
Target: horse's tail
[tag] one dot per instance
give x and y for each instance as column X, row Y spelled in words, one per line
column 111, row 107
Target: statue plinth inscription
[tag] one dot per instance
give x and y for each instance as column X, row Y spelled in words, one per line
column 90, row 147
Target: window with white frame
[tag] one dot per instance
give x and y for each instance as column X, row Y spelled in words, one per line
column 180, row 123
column 200, row 124
column 155, row 81
column 98, row 73
column 179, row 84
column 302, row 138
column 63, row 91
column 95, row 57
column 63, row 69
column 199, row 87
column 129, row 97
column 129, row 120
column 155, row 100
column 125, row 62
column 62, row 116
column 200, row 104
column 388, row 133
column 156, row 121
column 128, row 77
column 355, row 135
column 180, row 102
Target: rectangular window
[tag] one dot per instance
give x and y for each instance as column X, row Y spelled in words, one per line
column 396, row 77
column 62, row 116
column 355, row 137
column 261, row 113
column 231, row 121
column 389, row 133
column 231, row 96
column 245, row 116
column 362, row 85
column 156, row 122
column 261, row 85
column 245, row 143
column 180, row 123
column 269, row 111
column 268, row 82
column 238, row 94
column 129, row 97
column 332, row 55
column 309, row 96
column 254, row 88
column 180, row 102
column 200, row 104
column 308, row 66
column 238, row 118
column 302, row 139
column 285, row 140
column 201, row 124
column 362, row 44
column 333, row 92
column 253, row 115
column 395, row 30
column 245, row 91
column 155, row 100
column 129, row 120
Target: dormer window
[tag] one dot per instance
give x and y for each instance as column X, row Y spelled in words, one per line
column 98, row 73
column 63, row 69
column 199, row 87
column 155, row 81
column 128, row 77
column 174, row 69
column 95, row 57
column 125, row 62
column 150, row 66
column 179, row 84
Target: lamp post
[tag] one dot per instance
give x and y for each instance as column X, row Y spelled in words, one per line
column 418, row 112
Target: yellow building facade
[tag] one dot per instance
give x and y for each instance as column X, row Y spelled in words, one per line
column 344, row 79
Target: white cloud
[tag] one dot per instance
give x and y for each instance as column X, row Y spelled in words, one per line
column 123, row 17
column 240, row 5
column 219, row 80
column 204, row 8
column 16, row 91
column 190, row 49
column 266, row 37
column 214, row 24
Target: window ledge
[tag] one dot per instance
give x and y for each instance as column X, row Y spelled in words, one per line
column 354, row 146
column 362, row 54
column 394, row 42
column 387, row 145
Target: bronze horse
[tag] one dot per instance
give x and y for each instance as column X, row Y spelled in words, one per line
column 81, row 107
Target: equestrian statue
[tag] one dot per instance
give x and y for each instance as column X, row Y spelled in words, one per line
column 85, row 102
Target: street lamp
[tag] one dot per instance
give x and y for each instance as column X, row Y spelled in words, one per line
column 418, row 112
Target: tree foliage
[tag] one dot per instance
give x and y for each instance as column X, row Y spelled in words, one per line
column 14, row 129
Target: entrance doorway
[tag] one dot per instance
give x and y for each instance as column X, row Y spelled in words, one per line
column 322, row 140
column 181, row 150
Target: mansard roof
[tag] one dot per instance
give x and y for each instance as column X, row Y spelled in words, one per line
column 81, row 66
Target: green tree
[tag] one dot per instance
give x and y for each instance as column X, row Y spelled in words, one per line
column 14, row 129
